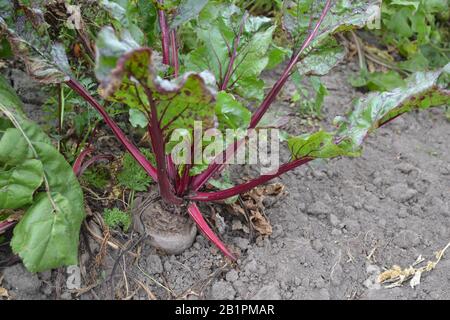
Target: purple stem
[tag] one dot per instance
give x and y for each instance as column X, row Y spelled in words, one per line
column 171, row 169
column 197, row 216
column 158, row 146
column 79, row 161
column 90, row 162
column 165, row 37
column 184, row 181
column 231, row 192
column 131, row 148
column 287, row 72
column 228, row 193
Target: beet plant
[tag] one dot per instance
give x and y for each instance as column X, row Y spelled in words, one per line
column 206, row 66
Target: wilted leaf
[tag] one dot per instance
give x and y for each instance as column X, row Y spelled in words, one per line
column 396, row 275
column 255, row 202
column 261, row 224
column 44, row 59
column 423, row 91
column 4, row 293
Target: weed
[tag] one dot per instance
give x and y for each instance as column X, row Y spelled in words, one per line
column 115, row 218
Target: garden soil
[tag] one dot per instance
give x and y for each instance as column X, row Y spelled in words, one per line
column 340, row 224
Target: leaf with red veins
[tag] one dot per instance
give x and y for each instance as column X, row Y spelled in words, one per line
column 128, row 73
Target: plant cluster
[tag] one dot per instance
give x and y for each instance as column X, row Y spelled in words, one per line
column 205, row 66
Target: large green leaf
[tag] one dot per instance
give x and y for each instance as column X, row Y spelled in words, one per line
column 48, row 234
column 14, row 149
column 322, row 59
column 217, row 28
column 425, row 90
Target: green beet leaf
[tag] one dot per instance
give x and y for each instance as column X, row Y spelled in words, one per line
column 217, row 28
column 18, row 184
column 130, row 75
column 137, row 17
column 322, row 59
column 425, row 90
column 371, row 112
column 48, row 234
column 319, row 145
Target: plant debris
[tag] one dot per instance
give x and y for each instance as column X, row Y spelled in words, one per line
column 396, row 276
column 255, row 203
